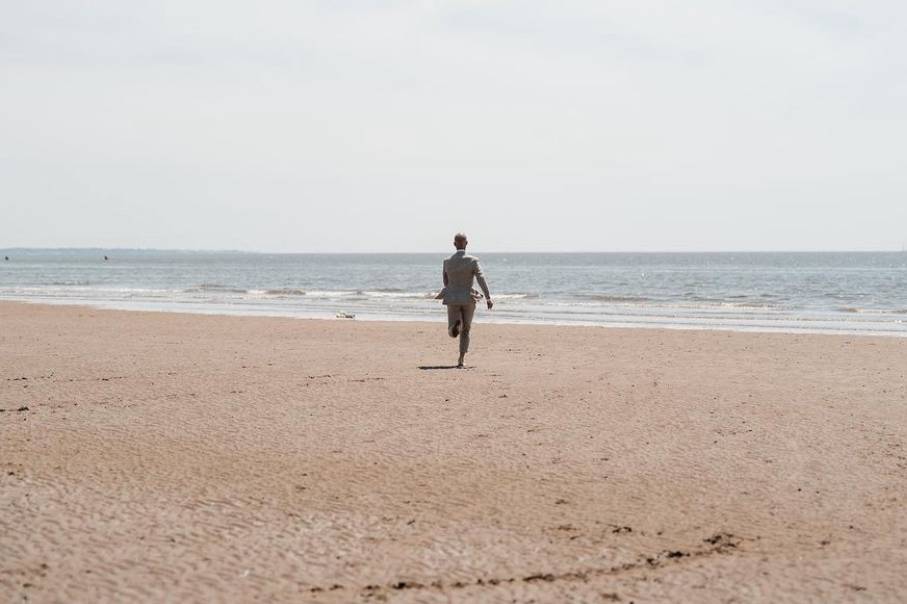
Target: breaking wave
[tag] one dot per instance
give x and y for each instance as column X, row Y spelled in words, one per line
column 613, row 298
column 215, row 287
column 284, row 291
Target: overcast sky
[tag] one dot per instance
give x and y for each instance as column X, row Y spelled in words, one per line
column 387, row 126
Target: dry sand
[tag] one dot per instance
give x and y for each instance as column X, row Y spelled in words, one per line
column 167, row 457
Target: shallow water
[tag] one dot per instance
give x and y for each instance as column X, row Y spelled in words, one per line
column 796, row 292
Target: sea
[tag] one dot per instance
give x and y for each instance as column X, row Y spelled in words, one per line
column 852, row 292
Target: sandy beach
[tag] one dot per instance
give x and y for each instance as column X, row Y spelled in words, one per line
column 171, row 457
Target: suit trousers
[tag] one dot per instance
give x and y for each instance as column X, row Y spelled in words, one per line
column 464, row 314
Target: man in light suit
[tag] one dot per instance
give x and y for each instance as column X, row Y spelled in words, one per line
column 459, row 295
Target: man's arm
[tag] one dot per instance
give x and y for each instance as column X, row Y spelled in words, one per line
column 480, row 277
column 444, row 273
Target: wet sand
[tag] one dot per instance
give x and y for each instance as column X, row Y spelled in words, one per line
column 167, row 457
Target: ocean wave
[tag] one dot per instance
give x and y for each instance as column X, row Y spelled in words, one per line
column 515, row 296
column 707, row 305
column 393, row 293
column 870, row 311
column 284, row 291
column 321, row 293
column 732, row 301
column 845, row 295
column 613, row 298
column 215, row 287
column 757, row 305
column 710, row 300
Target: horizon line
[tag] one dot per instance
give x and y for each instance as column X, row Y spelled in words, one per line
column 350, row 253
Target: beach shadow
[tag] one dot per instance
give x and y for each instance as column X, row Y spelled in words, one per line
column 434, row 367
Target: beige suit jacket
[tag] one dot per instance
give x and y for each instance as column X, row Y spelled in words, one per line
column 460, row 270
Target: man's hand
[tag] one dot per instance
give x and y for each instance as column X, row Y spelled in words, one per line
column 489, row 303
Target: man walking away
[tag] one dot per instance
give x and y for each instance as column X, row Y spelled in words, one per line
column 458, row 293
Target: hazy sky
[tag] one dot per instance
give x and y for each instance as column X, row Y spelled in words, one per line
column 387, row 126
